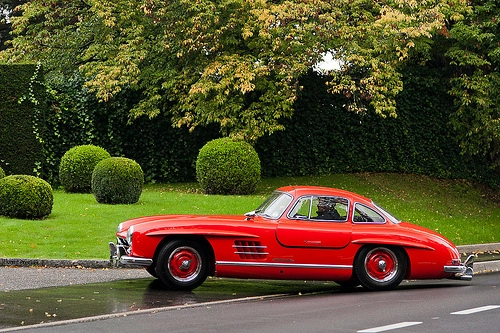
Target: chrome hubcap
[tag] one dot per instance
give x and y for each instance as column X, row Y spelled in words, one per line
column 382, row 265
column 185, row 265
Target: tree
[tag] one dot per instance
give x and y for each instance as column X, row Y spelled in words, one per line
column 6, row 12
column 236, row 63
column 475, row 53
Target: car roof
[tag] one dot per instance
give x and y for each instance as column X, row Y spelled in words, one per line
column 301, row 190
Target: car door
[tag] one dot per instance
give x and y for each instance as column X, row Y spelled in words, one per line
column 309, row 225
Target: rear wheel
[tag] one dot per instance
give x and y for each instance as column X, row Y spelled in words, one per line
column 182, row 265
column 380, row 267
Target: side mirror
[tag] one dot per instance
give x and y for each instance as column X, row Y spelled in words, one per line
column 250, row 215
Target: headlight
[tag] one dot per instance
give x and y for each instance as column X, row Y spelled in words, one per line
column 120, row 227
column 130, row 233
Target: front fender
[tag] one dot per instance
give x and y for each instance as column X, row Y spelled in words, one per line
column 200, row 232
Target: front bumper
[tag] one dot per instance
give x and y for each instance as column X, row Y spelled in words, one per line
column 119, row 258
column 464, row 271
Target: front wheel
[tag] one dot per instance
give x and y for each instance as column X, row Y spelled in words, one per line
column 380, row 267
column 152, row 270
column 182, row 265
column 348, row 284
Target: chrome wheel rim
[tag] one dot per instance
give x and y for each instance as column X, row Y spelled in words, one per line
column 381, row 264
column 184, row 264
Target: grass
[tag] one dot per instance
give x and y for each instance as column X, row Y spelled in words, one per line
column 80, row 228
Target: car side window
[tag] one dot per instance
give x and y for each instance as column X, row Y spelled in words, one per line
column 364, row 214
column 329, row 208
column 302, row 208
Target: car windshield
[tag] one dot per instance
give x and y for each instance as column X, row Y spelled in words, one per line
column 275, row 205
column 387, row 214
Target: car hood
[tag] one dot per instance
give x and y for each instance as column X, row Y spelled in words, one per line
column 160, row 224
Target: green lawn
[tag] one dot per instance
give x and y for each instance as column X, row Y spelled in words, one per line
column 80, row 228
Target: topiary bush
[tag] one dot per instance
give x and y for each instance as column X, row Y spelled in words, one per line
column 2, row 173
column 117, row 180
column 77, row 165
column 226, row 166
column 25, row 197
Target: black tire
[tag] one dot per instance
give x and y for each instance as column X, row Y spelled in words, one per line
column 349, row 284
column 380, row 267
column 152, row 270
column 182, row 265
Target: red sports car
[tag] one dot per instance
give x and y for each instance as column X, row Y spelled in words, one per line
column 298, row 233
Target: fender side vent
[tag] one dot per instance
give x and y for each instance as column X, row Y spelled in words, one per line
column 250, row 250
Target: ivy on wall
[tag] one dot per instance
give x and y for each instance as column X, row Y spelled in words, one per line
column 21, row 122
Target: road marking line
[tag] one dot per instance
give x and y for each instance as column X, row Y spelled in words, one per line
column 390, row 327
column 480, row 309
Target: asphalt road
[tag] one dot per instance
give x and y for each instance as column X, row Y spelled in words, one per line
column 422, row 306
column 413, row 307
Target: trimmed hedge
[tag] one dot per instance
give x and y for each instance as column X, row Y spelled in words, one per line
column 25, row 197
column 225, row 166
column 322, row 137
column 22, row 108
column 77, row 165
column 117, row 180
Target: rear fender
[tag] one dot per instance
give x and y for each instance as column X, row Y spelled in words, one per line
column 384, row 242
column 393, row 242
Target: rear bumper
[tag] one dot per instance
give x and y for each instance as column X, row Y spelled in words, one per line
column 464, row 271
column 119, row 258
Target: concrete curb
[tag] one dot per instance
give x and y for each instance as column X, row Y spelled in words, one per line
column 481, row 251
column 476, row 248
column 480, row 266
column 487, row 267
column 20, row 262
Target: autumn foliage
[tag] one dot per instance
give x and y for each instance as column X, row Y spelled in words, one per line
column 236, row 63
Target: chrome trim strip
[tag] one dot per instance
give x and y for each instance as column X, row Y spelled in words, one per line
column 455, row 269
column 287, row 265
column 134, row 261
column 118, row 258
column 250, row 246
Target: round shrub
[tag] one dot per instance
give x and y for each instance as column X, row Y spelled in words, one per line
column 225, row 166
column 77, row 165
column 117, row 180
column 2, row 173
column 25, row 197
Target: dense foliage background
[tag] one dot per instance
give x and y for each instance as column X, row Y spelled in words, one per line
column 321, row 137
column 415, row 90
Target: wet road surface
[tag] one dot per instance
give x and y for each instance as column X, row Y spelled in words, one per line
column 70, row 294
column 433, row 306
